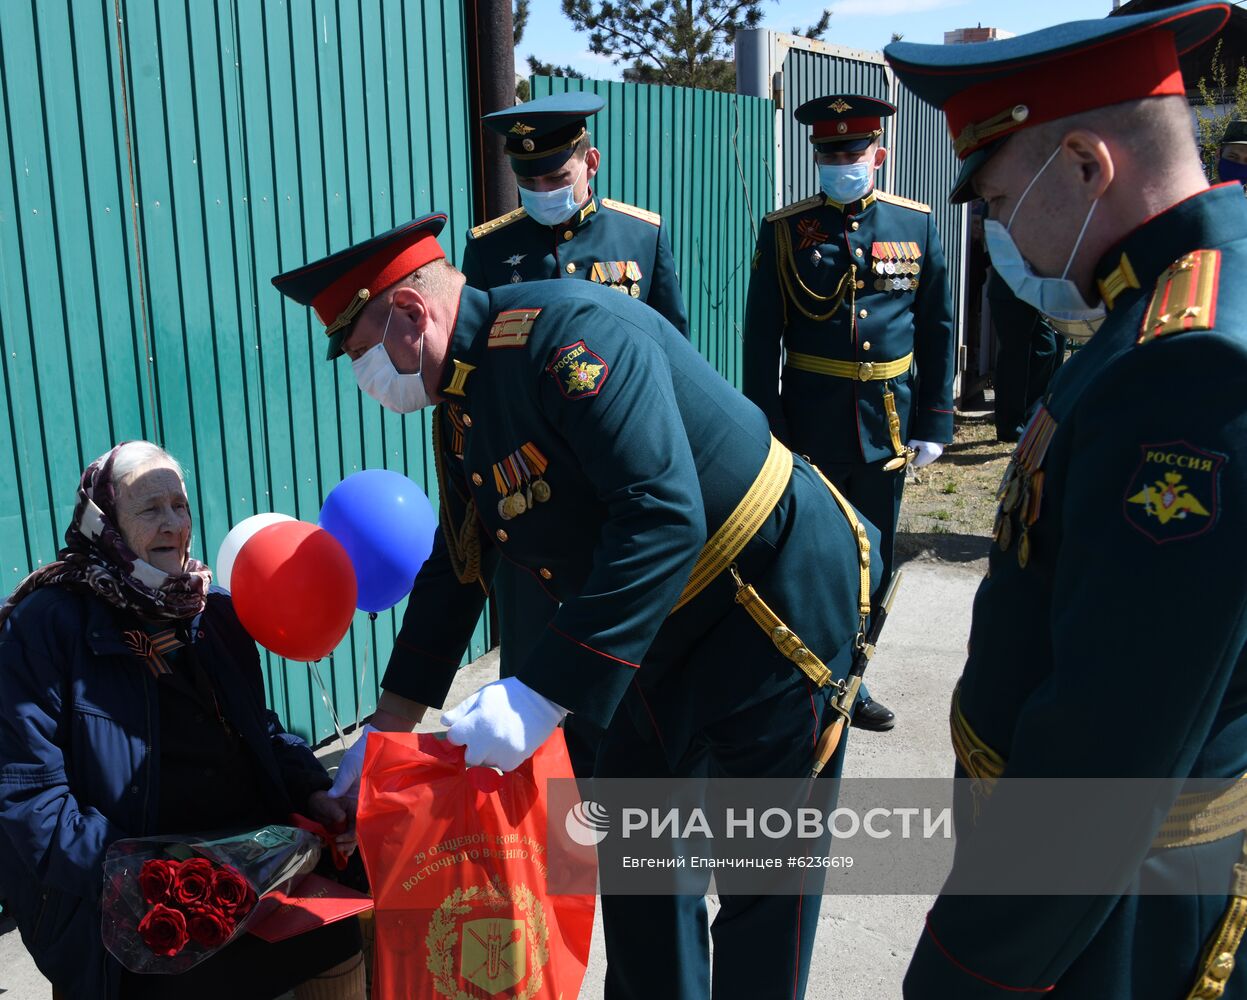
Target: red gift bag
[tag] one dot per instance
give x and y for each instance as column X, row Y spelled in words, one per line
column 458, row 865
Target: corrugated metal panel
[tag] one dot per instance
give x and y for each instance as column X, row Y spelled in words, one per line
column 702, row 160
column 921, row 164
column 925, row 168
column 160, row 162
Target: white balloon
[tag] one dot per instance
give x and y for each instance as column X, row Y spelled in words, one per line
column 238, row 536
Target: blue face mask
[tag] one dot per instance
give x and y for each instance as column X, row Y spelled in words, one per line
column 844, row 182
column 549, row 208
column 1059, row 299
column 1230, row 170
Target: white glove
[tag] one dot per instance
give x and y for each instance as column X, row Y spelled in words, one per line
column 346, row 781
column 928, row 452
column 502, row 724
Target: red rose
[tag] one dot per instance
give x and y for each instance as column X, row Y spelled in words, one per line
column 231, row 893
column 156, row 879
column 164, row 930
column 192, row 881
column 209, row 927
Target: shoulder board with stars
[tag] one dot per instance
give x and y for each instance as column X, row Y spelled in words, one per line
column 795, row 209
column 493, row 225
column 653, row 218
column 512, row 328
column 896, row 199
column 1185, row 297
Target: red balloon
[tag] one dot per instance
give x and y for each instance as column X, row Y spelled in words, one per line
column 294, row 590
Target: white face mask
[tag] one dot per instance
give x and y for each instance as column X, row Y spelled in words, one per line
column 1056, row 298
column 549, row 208
column 845, row 182
column 376, row 375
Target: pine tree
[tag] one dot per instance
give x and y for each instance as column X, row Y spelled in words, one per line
column 684, row 43
column 519, row 19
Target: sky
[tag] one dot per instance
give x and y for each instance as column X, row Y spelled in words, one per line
column 857, row 24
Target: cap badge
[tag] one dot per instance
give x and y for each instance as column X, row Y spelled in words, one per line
column 528, row 145
column 840, row 106
column 842, row 127
column 519, row 128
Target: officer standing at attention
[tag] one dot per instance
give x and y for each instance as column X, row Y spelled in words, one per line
column 582, row 439
column 849, row 288
column 1121, row 513
column 563, row 230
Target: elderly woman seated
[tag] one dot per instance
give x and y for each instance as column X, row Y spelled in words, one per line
column 132, row 704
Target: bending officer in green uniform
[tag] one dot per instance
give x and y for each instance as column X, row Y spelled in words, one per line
column 651, row 497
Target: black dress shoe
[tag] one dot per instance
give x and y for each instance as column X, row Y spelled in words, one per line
column 873, row 716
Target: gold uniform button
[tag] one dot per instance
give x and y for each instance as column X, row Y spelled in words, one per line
column 467, row 421
column 856, row 226
column 863, row 314
column 501, row 535
column 567, row 235
column 857, row 252
column 1221, row 966
column 865, row 347
column 476, row 479
column 861, row 284
column 571, row 268
column 545, row 574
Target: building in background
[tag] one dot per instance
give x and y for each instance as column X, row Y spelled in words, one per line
column 964, row 36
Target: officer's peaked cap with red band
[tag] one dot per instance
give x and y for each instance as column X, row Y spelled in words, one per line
column 338, row 287
column 844, row 123
column 990, row 90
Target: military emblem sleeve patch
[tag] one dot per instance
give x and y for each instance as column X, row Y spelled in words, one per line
column 1174, row 493
column 577, row 371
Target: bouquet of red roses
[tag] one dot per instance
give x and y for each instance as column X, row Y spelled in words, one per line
column 168, row 904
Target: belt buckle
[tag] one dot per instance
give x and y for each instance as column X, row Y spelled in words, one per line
column 865, row 370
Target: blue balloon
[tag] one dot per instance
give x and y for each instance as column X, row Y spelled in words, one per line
column 386, row 524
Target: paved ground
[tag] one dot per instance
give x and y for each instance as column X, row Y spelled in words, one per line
column 863, row 941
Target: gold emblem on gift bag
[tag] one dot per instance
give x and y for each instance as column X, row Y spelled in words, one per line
column 492, row 953
column 501, row 950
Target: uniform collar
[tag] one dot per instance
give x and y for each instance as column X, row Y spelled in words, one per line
column 587, row 212
column 467, row 341
column 1205, row 220
column 853, row 207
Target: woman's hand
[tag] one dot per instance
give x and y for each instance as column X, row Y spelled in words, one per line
column 331, row 813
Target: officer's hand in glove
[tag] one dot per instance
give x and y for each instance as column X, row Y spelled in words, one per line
column 502, row 724
column 928, row 452
column 346, row 781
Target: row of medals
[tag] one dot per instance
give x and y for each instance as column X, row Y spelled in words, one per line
column 895, row 275
column 1014, row 496
column 524, row 499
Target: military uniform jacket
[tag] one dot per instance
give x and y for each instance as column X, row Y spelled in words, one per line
column 1116, row 581
column 610, row 243
column 855, row 283
column 628, row 448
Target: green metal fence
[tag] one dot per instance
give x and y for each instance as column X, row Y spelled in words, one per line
column 704, row 161
column 160, row 161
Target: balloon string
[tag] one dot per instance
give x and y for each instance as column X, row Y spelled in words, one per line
column 363, row 674
column 324, row 696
